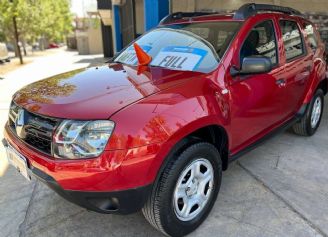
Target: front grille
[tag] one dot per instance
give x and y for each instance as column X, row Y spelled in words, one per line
column 37, row 130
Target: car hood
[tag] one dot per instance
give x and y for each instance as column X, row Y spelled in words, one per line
column 98, row 92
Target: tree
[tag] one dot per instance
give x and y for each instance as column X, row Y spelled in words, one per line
column 9, row 20
column 49, row 19
column 2, row 36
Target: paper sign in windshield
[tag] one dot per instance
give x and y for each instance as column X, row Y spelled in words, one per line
column 129, row 55
column 179, row 58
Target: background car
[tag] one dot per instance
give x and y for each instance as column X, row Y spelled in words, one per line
column 4, row 57
column 53, row 46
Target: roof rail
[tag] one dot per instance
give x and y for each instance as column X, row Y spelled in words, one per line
column 180, row 15
column 251, row 9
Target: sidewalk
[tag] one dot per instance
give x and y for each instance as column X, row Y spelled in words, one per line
column 15, row 62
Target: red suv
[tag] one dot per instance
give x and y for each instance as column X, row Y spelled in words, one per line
column 155, row 128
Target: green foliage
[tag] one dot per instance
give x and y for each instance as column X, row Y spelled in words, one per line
column 36, row 18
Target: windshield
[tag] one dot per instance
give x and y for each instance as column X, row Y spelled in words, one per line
column 187, row 47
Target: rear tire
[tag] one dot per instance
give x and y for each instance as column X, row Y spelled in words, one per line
column 177, row 205
column 310, row 122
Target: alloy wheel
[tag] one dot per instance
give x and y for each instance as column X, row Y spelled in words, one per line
column 316, row 112
column 193, row 189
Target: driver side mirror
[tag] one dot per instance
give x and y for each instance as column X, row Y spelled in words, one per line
column 253, row 65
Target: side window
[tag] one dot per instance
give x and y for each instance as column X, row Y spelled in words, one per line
column 311, row 36
column 292, row 38
column 261, row 41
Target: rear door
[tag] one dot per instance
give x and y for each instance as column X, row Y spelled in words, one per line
column 298, row 63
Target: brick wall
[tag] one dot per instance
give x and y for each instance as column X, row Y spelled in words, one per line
column 321, row 21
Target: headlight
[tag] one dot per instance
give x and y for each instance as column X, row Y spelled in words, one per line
column 81, row 139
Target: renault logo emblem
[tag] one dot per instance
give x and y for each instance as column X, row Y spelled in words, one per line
column 20, row 123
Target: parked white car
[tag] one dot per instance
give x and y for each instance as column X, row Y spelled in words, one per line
column 4, row 57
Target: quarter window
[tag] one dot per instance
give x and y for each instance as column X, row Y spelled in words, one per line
column 311, row 35
column 261, row 41
column 292, row 38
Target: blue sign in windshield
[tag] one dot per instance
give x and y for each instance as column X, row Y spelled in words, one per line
column 179, row 58
column 129, row 55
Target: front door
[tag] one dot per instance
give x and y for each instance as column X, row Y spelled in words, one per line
column 257, row 100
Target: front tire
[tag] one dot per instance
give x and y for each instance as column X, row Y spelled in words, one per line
column 186, row 190
column 310, row 122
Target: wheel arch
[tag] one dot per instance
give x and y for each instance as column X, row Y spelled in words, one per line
column 323, row 85
column 217, row 136
column 318, row 80
column 212, row 133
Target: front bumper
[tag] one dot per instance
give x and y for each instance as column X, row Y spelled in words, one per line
column 116, row 182
column 117, row 202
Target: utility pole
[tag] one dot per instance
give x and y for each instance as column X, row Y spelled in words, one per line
column 17, row 38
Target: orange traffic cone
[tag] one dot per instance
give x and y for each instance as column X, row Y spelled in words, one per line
column 143, row 58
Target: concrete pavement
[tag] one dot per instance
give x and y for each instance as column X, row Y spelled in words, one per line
column 279, row 189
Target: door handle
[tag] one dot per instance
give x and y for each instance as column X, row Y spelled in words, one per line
column 281, row 82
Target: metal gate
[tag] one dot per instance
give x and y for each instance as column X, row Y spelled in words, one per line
column 128, row 26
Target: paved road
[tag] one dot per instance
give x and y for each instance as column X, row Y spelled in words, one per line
column 279, row 189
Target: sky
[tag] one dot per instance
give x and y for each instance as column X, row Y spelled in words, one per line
column 80, row 7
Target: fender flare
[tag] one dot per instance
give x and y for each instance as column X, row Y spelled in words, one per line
column 178, row 142
column 317, row 76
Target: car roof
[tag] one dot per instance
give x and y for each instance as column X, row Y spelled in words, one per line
column 245, row 12
column 227, row 17
column 205, row 18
